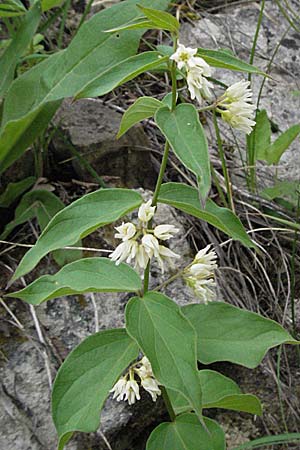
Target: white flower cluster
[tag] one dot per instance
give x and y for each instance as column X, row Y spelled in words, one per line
column 196, row 72
column 127, row 388
column 200, row 274
column 236, row 108
column 140, row 243
column 235, row 104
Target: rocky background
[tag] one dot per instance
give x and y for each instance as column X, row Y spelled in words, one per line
column 35, row 342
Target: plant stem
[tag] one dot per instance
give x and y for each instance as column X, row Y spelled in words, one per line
column 223, row 161
column 164, row 159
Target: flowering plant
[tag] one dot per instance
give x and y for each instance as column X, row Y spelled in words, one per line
column 162, row 342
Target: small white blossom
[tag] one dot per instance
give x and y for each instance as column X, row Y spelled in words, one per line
column 236, row 108
column 183, row 56
column 132, row 392
column 151, row 386
column 119, row 389
column 125, row 251
column 151, row 245
column 164, row 232
column 200, row 274
column 146, row 211
column 125, row 231
column 141, row 258
column 198, row 86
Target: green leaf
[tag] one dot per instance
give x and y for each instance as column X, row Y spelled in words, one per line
column 12, row 9
column 135, row 24
column 79, row 277
column 161, row 19
column 169, row 341
column 227, row 333
column 186, row 198
column 85, row 378
column 78, row 220
column 49, row 4
column 218, row 391
column 224, row 60
column 14, row 190
column 186, row 433
column 121, row 73
column 185, row 134
column 282, row 189
column 278, row 439
column 18, row 45
column 142, row 108
column 43, row 205
column 261, row 133
column 273, row 152
column 38, row 203
column 66, row 73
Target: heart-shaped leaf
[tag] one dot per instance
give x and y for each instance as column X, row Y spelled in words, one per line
column 186, row 433
column 227, row 333
column 168, row 340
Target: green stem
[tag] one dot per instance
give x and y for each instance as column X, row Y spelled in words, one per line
column 161, row 173
column 223, row 162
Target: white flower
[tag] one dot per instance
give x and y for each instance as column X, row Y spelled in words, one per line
column 119, row 389
column 132, row 392
column 151, row 386
column 145, row 370
column 141, row 258
column 165, row 254
column 198, row 85
column 236, row 108
column 151, row 245
column 125, row 231
column 146, row 211
column 126, row 250
column 183, row 56
column 200, row 274
column 165, row 232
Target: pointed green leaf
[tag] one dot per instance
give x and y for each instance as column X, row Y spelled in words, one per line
column 121, row 73
column 85, row 378
column 79, row 277
column 78, row 220
column 279, row 439
column 161, row 19
column 186, row 198
column 261, row 133
column 186, row 433
column 227, row 333
column 142, row 108
column 18, row 45
column 218, row 391
column 169, row 341
column 66, row 73
column 38, row 203
column 14, row 190
column 273, row 152
column 224, row 60
column 185, row 134
column 48, row 4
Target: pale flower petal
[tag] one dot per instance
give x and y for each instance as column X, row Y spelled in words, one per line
column 150, row 385
column 125, row 231
column 165, row 232
column 146, row 211
column 151, row 245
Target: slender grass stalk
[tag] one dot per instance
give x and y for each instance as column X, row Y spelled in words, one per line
column 279, row 388
column 223, row 162
column 270, row 440
column 63, row 23
column 251, row 180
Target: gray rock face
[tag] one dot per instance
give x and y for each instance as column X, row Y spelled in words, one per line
column 234, row 30
column 91, row 128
